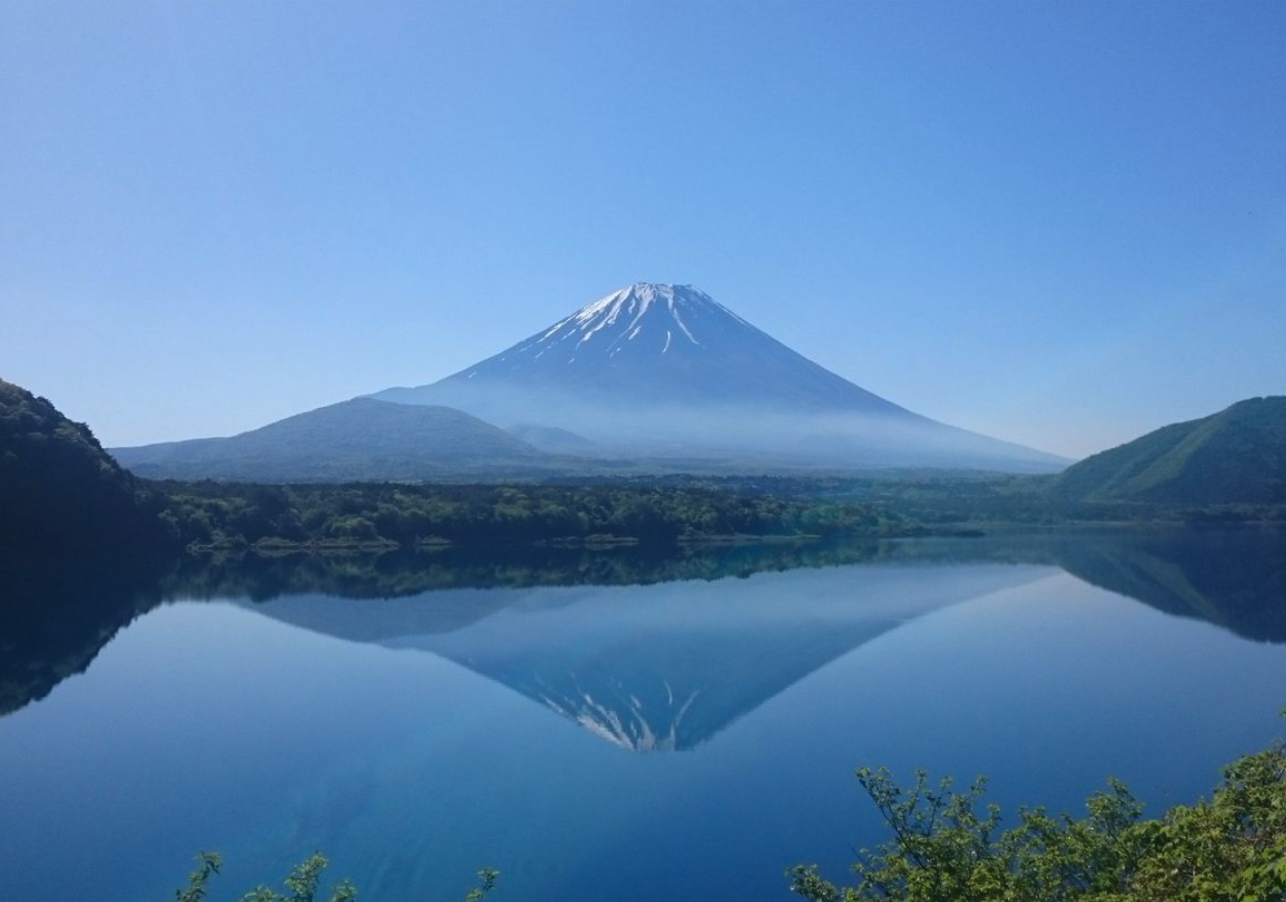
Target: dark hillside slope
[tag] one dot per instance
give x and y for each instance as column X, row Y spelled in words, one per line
column 352, row 440
column 58, row 487
column 1236, row 456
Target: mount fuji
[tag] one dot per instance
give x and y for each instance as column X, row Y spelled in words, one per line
column 652, row 346
column 649, row 379
column 665, row 371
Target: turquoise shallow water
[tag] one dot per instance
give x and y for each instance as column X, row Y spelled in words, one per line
column 687, row 739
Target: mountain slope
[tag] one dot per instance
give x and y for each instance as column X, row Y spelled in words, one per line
column 552, row 440
column 665, row 370
column 58, row 487
column 358, row 439
column 1236, row 456
column 651, row 344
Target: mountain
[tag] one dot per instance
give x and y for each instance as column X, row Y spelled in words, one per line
column 666, row 371
column 353, row 440
column 58, row 487
column 651, row 344
column 553, row 440
column 1236, row 456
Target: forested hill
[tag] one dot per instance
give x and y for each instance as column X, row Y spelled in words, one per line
column 361, row 439
column 1236, row 456
column 58, row 487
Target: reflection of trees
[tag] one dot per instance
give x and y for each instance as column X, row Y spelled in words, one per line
column 1235, row 579
column 56, row 614
column 403, row 573
column 1231, row 578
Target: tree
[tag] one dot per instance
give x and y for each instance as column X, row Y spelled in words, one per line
column 303, row 883
column 946, row 848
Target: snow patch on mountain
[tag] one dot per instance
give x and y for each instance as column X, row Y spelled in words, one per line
column 626, row 312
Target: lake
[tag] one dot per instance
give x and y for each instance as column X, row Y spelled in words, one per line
column 625, row 722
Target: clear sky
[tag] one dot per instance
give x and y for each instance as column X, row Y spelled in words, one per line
column 1062, row 224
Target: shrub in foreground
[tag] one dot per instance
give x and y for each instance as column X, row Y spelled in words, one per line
column 948, row 847
column 302, row 885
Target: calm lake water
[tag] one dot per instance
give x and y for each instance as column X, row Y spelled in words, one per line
column 618, row 723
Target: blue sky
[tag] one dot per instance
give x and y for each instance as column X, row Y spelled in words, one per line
column 1059, row 224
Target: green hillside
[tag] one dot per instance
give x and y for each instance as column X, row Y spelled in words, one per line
column 58, row 487
column 353, row 440
column 1236, row 456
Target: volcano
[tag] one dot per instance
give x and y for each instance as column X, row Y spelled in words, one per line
column 665, row 371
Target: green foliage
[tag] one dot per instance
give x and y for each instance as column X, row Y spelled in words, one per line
column 221, row 515
column 487, row 878
column 208, row 864
column 946, row 847
column 303, row 883
column 1230, row 848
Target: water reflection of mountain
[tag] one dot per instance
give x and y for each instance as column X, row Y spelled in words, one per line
column 56, row 615
column 1234, row 579
column 663, row 666
column 670, row 666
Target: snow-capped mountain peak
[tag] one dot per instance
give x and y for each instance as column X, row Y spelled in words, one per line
column 664, row 312
column 650, row 368
column 656, row 345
